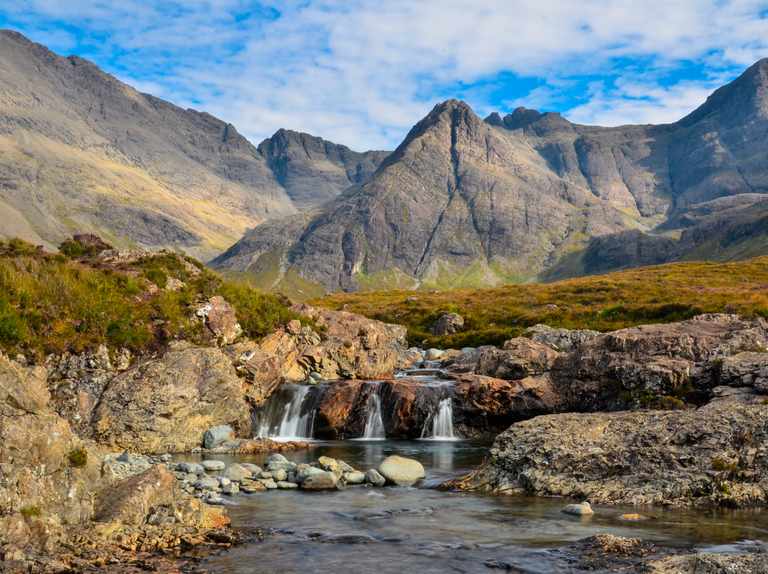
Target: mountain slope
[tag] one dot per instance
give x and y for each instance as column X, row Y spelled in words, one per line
column 81, row 151
column 465, row 201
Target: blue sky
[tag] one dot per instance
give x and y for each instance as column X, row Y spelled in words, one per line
column 362, row 72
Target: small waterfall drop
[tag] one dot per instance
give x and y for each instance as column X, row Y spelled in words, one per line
column 374, row 424
column 287, row 416
column 442, row 423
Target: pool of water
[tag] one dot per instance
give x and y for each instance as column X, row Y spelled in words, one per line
column 400, row 530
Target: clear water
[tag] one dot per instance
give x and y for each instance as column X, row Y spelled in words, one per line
column 402, row 530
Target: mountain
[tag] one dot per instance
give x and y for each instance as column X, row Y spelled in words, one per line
column 82, row 151
column 465, row 201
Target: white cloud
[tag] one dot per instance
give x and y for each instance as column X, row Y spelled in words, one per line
column 363, row 71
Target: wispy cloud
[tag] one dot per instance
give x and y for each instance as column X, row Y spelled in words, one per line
column 362, row 71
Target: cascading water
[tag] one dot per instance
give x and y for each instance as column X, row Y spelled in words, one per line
column 442, row 423
column 287, row 415
column 374, row 424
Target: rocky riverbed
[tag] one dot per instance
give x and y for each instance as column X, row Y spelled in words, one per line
column 660, row 415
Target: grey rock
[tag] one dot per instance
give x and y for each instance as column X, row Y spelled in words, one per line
column 237, row 472
column 285, row 485
column 213, row 465
column 191, row 468
column 324, row 480
column 268, row 483
column 207, row 483
column 230, row 489
column 217, row 436
column 280, row 475
column 580, row 509
column 373, row 476
column 448, row 324
column 255, row 469
column 354, row 477
column 433, row 354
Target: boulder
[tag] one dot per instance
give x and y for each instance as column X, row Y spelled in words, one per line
column 716, row 455
column 166, row 404
column 354, row 477
column 352, row 346
column 401, row 471
column 748, row 369
column 323, row 480
column 217, row 436
column 448, row 324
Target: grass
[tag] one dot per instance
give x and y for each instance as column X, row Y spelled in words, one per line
column 662, row 293
column 52, row 303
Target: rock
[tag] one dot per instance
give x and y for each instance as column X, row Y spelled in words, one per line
column 633, row 517
column 251, row 486
column 448, row 324
column 304, row 471
column 207, row 483
column 230, row 489
column 330, row 464
column 580, row 509
column 352, row 346
column 748, row 369
column 276, row 458
column 217, row 436
column 237, row 472
column 125, row 465
column 265, row 474
column 323, row 480
column 705, row 563
column 268, row 483
column 166, row 404
column 671, row 458
column 401, row 471
column 284, row 485
column 433, row 354
column 255, row 469
column 213, row 465
column 372, row 476
column 563, row 340
column 224, row 481
column 191, row 468
column 221, row 320
column 280, row 475
column 354, row 477
column 518, row 359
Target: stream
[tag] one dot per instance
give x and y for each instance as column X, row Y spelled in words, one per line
column 421, row 529
column 398, row 530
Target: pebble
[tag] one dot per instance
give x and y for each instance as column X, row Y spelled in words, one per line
column 581, row 509
column 213, row 465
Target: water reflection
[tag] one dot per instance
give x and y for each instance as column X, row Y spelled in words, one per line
column 397, row 530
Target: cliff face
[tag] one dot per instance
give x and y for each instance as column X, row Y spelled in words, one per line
column 465, row 201
column 82, row 151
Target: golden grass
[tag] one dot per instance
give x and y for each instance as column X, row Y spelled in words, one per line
column 661, row 293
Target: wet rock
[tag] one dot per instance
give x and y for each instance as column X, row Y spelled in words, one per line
column 373, row 476
column 448, row 324
column 715, row 455
column 401, row 471
column 323, row 480
column 433, row 354
column 213, row 465
column 237, row 472
column 580, row 509
column 354, row 477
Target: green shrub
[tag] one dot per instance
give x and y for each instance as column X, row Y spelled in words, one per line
column 78, row 458
column 30, row 511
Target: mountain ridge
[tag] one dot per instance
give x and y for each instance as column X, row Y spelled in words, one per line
column 464, row 201
column 83, row 151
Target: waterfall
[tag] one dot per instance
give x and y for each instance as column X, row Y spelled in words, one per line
column 287, row 415
column 442, row 423
column 374, row 424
